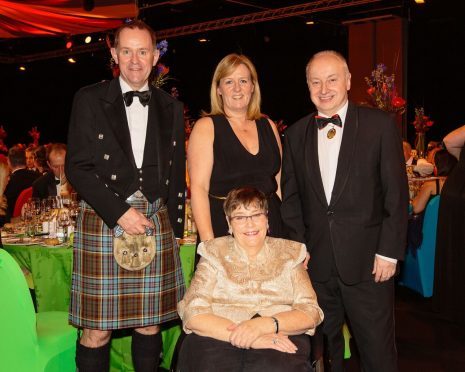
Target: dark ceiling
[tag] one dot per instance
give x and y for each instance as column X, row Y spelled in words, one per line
column 42, row 93
column 167, row 18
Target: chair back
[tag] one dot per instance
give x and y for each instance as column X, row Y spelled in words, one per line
column 18, row 335
column 418, row 269
column 22, row 198
column 428, row 246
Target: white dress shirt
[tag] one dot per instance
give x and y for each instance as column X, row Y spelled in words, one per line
column 328, row 151
column 137, row 116
column 328, row 155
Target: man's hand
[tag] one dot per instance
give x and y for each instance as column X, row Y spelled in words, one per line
column 134, row 222
column 383, row 270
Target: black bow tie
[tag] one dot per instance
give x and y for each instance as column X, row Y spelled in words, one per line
column 144, row 97
column 57, row 182
column 322, row 122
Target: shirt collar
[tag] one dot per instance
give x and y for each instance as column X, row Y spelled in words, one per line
column 126, row 88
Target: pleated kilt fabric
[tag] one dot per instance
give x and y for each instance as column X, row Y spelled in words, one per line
column 105, row 296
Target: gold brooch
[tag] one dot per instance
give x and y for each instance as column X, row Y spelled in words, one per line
column 331, row 133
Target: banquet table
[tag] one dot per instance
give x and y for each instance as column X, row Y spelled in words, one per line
column 51, row 269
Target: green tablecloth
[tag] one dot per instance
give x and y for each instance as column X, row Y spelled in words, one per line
column 51, row 270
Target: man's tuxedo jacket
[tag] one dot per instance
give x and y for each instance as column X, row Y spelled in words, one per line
column 100, row 163
column 44, row 186
column 367, row 213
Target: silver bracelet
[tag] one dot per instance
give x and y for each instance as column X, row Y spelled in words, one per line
column 276, row 324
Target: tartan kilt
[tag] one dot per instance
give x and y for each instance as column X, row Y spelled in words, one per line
column 105, row 296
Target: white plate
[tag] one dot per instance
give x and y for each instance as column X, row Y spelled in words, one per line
column 62, row 245
column 21, row 241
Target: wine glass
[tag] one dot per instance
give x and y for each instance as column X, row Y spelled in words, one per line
column 27, row 215
column 64, row 221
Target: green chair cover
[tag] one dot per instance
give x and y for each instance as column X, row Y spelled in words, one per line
column 31, row 342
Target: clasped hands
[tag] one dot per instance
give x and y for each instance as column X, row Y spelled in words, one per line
column 255, row 333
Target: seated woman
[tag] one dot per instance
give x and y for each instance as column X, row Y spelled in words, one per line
column 443, row 163
column 250, row 305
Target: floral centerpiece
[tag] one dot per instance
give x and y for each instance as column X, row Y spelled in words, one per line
column 382, row 91
column 35, row 135
column 281, row 126
column 160, row 75
column 3, row 135
column 421, row 123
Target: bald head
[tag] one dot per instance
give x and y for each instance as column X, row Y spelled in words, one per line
column 328, row 80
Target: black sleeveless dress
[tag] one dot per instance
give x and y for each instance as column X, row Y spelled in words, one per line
column 449, row 275
column 234, row 166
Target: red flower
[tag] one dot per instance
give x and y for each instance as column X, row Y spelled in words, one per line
column 422, row 122
column 398, row 102
column 371, row 90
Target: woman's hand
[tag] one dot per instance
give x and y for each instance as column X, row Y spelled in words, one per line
column 244, row 334
column 275, row 341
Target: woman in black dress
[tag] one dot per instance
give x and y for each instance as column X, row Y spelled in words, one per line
column 449, row 279
column 234, row 145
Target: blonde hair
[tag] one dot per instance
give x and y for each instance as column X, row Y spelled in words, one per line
column 225, row 68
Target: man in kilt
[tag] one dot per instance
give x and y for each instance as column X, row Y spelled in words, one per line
column 126, row 158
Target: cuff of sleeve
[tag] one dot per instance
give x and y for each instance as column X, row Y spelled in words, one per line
column 389, row 259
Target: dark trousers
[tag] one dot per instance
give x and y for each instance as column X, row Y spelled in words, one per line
column 369, row 306
column 205, row 354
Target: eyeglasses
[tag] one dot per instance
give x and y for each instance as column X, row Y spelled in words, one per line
column 241, row 220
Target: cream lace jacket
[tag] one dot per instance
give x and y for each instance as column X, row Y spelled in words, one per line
column 226, row 283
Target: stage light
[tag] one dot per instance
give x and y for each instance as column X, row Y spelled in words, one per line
column 310, row 21
column 420, row 1
column 22, row 68
column 202, row 40
column 71, row 60
column 69, row 43
column 88, row 39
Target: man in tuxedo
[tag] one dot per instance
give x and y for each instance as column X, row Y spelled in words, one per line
column 30, row 157
column 126, row 159
column 54, row 182
column 20, row 177
column 345, row 196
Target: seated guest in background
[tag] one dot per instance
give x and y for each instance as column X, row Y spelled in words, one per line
column 250, row 305
column 4, row 174
column 408, row 156
column 443, row 163
column 432, row 149
column 53, row 183
column 20, row 177
column 30, row 157
column 40, row 160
